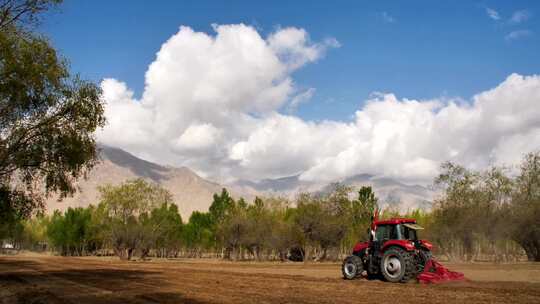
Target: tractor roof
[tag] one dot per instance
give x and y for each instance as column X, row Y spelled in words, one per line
column 395, row 221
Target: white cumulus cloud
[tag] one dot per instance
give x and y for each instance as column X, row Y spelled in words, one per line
column 197, row 138
column 215, row 103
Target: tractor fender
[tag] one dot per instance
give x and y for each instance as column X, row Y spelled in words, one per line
column 359, row 247
column 405, row 244
column 426, row 244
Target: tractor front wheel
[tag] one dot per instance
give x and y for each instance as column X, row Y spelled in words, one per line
column 352, row 267
column 397, row 265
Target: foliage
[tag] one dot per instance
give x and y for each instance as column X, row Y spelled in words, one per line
column 482, row 212
column 162, row 230
column 221, row 207
column 128, row 208
column 197, row 234
column 70, row 233
column 361, row 211
column 48, row 117
column 525, row 207
column 320, row 218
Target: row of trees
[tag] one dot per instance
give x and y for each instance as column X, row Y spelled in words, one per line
column 133, row 216
column 140, row 217
column 489, row 213
column 273, row 228
column 492, row 214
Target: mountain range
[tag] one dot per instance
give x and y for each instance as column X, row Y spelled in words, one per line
column 391, row 193
column 194, row 193
column 190, row 191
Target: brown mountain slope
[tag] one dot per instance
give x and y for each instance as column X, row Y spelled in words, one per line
column 190, row 191
column 391, row 193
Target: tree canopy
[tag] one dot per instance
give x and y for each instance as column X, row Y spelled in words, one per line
column 48, row 117
column 137, row 215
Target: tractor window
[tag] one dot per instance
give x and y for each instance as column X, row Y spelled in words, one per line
column 408, row 233
column 386, row 232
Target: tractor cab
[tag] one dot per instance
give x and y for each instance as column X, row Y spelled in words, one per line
column 397, row 231
column 400, row 232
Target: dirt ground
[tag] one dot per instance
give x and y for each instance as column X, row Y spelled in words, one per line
column 48, row 279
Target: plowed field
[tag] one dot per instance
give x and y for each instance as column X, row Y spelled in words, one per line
column 48, row 279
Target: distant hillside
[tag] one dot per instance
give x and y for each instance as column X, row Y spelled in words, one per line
column 190, row 191
column 389, row 191
column 393, row 193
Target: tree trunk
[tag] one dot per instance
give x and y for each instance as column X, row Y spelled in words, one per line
column 120, row 253
column 528, row 251
column 144, row 253
column 324, row 254
column 283, row 255
column 129, row 253
column 307, row 253
column 257, row 253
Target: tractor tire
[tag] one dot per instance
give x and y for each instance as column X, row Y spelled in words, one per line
column 352, row 267
column 397, row 265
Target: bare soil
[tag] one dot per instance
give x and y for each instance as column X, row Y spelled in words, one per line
column 50, row 279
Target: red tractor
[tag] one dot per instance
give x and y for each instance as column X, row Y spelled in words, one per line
column 393, row 253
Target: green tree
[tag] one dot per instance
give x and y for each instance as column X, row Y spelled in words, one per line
column 57, row 233
column 70, row 233
column 320, row 222
column 259, row 222
column 471, row 219
column 525, row 211
column 48, row 117
column 232, row 232
column 221, row 206
column 128, row 206
column 98, row 228
column 282, row 235
column 457, row 210
column 226, row 228
column 162, row 230
column 197, row 234
column 77, row 222
column 362, row 209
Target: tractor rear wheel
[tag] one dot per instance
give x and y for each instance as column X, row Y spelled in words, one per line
column 352, row 267
column 397, row 265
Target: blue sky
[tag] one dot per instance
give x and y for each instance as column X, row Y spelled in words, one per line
column 414, row 49
column 223, row 93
